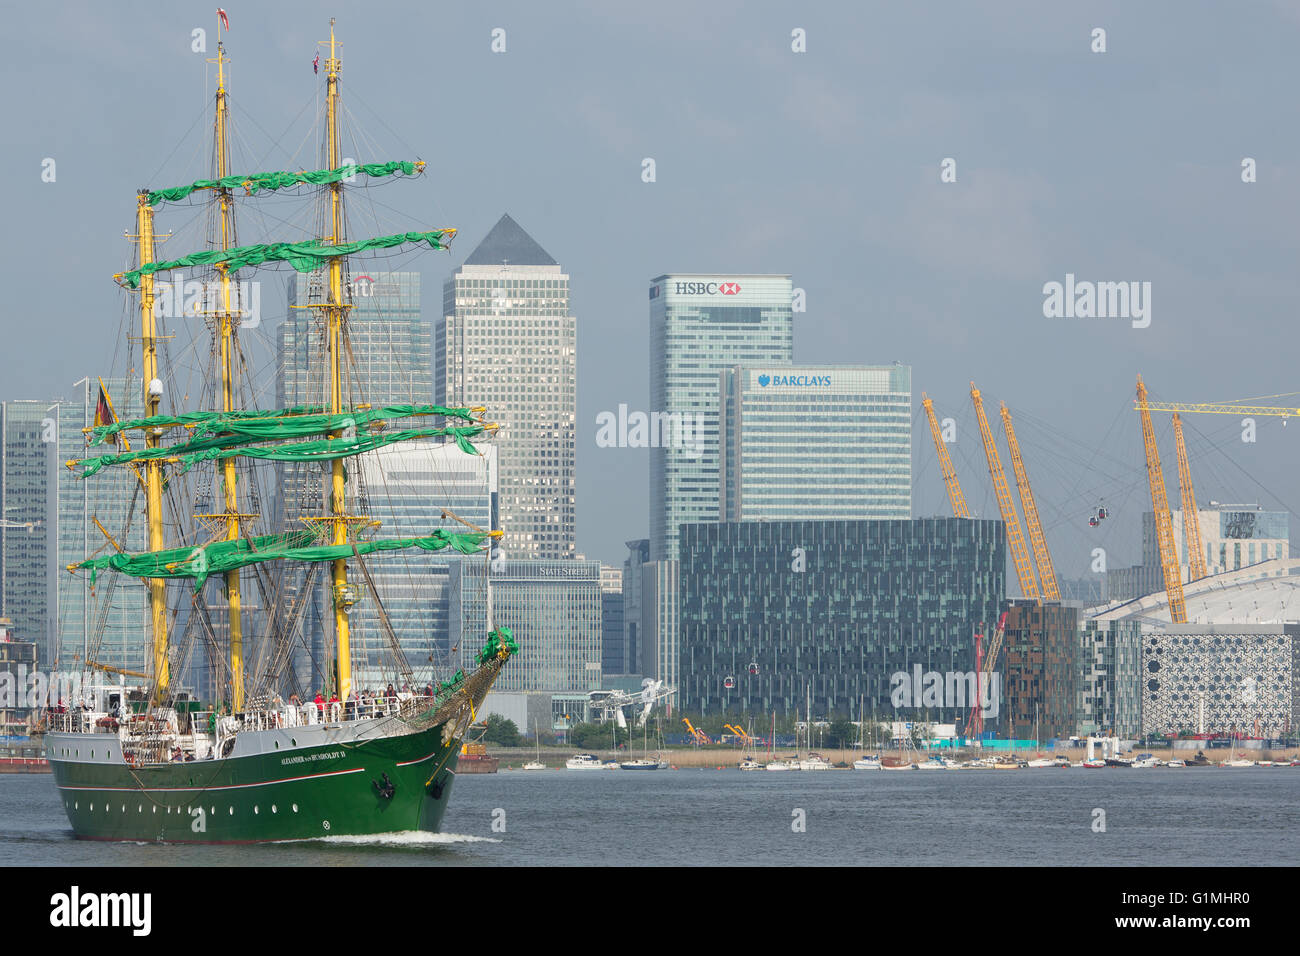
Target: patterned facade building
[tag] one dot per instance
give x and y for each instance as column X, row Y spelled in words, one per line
column 1228, row 678
column 774, row 613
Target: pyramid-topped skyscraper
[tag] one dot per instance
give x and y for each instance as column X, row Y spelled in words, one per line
column 508, row 342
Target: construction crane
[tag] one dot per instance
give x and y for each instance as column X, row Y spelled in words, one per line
column 701, row 738
column 118, row 670
column 1191, row 516
column 1220, row 408
column 1042, row 557
column 984, row 665
column 945, row 462
column 1015, row 539
column 1164, row 520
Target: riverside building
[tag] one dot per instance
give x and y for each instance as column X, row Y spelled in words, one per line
column 774, row 613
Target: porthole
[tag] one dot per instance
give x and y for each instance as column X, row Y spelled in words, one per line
column 232, row 811
column 92, row 806
column 295, row 808
column 293, row 741
column 273, row 810
column 256, row 811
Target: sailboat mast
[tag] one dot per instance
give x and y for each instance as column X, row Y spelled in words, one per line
column 153, row 468
column 225, row 335
column 334, row 312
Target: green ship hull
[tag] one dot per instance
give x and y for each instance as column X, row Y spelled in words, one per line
column 338, row 788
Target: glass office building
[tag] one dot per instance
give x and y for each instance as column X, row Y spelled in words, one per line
column 1110, row 678
column 110, row 622
column 553, row 608
column 775, row 612
column 413, row 484
column 507, row 341
column 699, row 326
column 27, row 465
column 815, row 442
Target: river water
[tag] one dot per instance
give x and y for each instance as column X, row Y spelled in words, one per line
column 1156, row 817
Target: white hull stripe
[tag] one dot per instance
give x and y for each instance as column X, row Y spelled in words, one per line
column 234, row 786
column 411, row 763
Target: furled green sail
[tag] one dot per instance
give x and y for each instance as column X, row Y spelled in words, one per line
column 281, row 423
column 258, row 181
column 303, row 256
column 500, row 641
column 220, row 447
column 222, row 556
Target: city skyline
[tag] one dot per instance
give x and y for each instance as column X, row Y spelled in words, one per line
column 825, row 165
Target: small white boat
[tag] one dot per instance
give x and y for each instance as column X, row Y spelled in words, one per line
column 1043, row 762
column 779, row 765
column 936, row 762
column 534, row 765
column 1176, row 763
column 585, row 762
column 1143, row 761
column 1094, row 764
column 1238, row 763
column 814, row 762
column 749, row 763
column 871, row 762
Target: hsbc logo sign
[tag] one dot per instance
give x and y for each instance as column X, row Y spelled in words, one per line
column 707, row 288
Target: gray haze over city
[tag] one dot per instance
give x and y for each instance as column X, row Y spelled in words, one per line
column 1116, row 166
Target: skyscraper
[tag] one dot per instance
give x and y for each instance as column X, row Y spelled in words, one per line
column 108, row 622
column 507, row 341
column 854, row 462
column 389, row 362
column 699, row 326
column 27, row 460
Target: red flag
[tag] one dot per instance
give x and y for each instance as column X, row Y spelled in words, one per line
column 315, row 64
column 225, row 21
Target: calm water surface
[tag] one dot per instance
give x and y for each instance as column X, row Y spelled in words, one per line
column 1157, row 817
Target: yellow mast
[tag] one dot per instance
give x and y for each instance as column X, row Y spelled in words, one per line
column 152, row 468
column 1191, row 516
column 225, row 333
column 945, row 462
column 334, row 312
column 1015, row 538
column 1042, row 557
column 1164, row 520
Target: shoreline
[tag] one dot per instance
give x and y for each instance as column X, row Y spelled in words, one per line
column 726, row 759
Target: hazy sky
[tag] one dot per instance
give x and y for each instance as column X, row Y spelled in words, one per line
column 1117, row 166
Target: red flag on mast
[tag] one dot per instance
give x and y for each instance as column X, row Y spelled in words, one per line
column 315, row 64
column 104, row 409
column 225, row 21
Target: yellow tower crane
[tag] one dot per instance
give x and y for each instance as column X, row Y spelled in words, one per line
column 1191, row 516
column 945, row 462
column 1015, row 539
column 1164, row 520
column 1042, row 557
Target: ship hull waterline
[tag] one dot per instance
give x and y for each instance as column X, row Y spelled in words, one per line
column 335, row 789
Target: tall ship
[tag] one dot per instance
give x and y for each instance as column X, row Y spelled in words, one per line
column 267, row 754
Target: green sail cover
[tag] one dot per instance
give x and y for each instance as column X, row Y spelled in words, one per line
column 219, row 447
column 328, row 450
column 500, row 640
column 310, row 417
column 222, row 556
column 303, row 256
column 259, row 181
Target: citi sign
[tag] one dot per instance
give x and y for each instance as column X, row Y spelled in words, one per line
column 708, row 288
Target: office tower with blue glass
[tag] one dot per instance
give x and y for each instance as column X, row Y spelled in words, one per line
column 815, row 442
column 701, row 325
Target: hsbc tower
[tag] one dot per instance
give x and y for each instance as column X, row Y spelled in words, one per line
column 701, row 324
